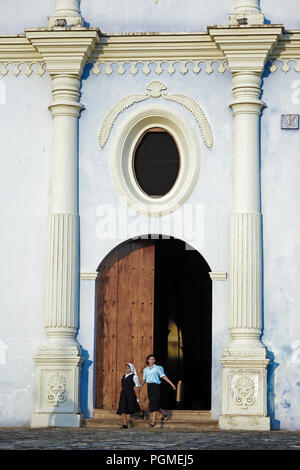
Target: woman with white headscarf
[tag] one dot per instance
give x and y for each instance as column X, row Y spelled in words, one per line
column 128, row 402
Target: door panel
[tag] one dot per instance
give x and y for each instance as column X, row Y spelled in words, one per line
column 125, row 306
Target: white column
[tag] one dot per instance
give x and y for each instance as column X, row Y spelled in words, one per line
column 248, row 10
column 59, row 360
column 67, row 13
column 244, row 393
column 244, row 363
column 245, row 279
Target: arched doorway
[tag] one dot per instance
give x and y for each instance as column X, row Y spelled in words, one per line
column 154, row 295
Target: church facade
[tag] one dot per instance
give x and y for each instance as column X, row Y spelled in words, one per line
column 150, row 203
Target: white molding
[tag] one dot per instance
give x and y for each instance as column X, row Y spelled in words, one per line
column 65, row 50
column 89, row 276
column 169, row 52
column 125, row 140
column 160, row 67
column 246, row 48
column 218, row 276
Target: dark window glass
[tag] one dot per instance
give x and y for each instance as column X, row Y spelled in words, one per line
column 156, row 162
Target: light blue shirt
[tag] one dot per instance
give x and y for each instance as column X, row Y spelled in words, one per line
column 153, row 374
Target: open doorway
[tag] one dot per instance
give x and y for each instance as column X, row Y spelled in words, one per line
column 154, row 296
column 182, row 324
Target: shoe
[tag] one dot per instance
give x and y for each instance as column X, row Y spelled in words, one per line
column 124, row 427
column 151, row 425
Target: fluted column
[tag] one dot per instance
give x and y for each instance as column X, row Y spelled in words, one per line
column 62, row 285
column 244, row 389
column 245, row 278
column 244, row 400
column 59, row 360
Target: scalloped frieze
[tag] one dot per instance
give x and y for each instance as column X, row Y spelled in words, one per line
column 160, row 67
column 283, row 64
column 26, row 67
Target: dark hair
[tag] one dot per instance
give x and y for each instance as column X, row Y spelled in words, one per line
column 150, row 355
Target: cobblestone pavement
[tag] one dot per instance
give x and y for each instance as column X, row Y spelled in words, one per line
column 96, row 439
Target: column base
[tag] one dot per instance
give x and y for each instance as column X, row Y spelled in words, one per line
column 244, row 423
column 63, row 420
column 252, row 19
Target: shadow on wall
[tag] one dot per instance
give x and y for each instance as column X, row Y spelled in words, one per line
column 275, row 423
column 84, row 383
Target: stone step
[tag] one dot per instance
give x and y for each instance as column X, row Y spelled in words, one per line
column 178, row 415
column 209, row 425
column 177, row 419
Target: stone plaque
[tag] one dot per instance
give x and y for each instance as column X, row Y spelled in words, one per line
column 289, row 121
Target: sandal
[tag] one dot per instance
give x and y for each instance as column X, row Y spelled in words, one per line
column 151, row 425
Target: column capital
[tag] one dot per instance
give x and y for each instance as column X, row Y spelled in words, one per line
column 246, row 48
column 65, row 50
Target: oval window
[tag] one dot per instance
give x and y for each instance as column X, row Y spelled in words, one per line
column 156, row 162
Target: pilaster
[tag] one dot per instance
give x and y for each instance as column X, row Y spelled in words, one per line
column 244, row 394
column 59, row 360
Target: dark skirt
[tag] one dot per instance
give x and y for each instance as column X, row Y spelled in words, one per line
column 128, row 403
column 154, row 396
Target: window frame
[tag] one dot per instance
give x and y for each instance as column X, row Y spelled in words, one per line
column 127, row 136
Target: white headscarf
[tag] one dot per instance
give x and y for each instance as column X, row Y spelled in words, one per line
column 135, row 376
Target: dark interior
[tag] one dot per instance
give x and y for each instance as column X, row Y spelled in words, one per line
column 156, row 162
column 183, row 295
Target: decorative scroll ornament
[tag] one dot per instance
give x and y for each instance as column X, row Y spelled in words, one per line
column 156, row 90
column 243, row 391
column 57, row 389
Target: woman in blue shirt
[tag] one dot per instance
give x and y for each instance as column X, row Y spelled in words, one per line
column 152, row 375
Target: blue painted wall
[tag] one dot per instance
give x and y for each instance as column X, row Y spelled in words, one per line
column 280, row 173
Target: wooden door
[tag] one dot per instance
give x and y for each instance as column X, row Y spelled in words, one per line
column 125, row 320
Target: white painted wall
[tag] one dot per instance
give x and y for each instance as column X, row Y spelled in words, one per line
column 180, row 15
column 25, row 142
column 142, row 15
column 15, row 15
column 280, row 165
column 25, row 185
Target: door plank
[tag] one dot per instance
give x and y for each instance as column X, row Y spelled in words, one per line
column 125, row 303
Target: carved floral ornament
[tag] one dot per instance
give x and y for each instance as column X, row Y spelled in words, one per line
column 156, row 89
column 243, row 391
column 57, row 392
